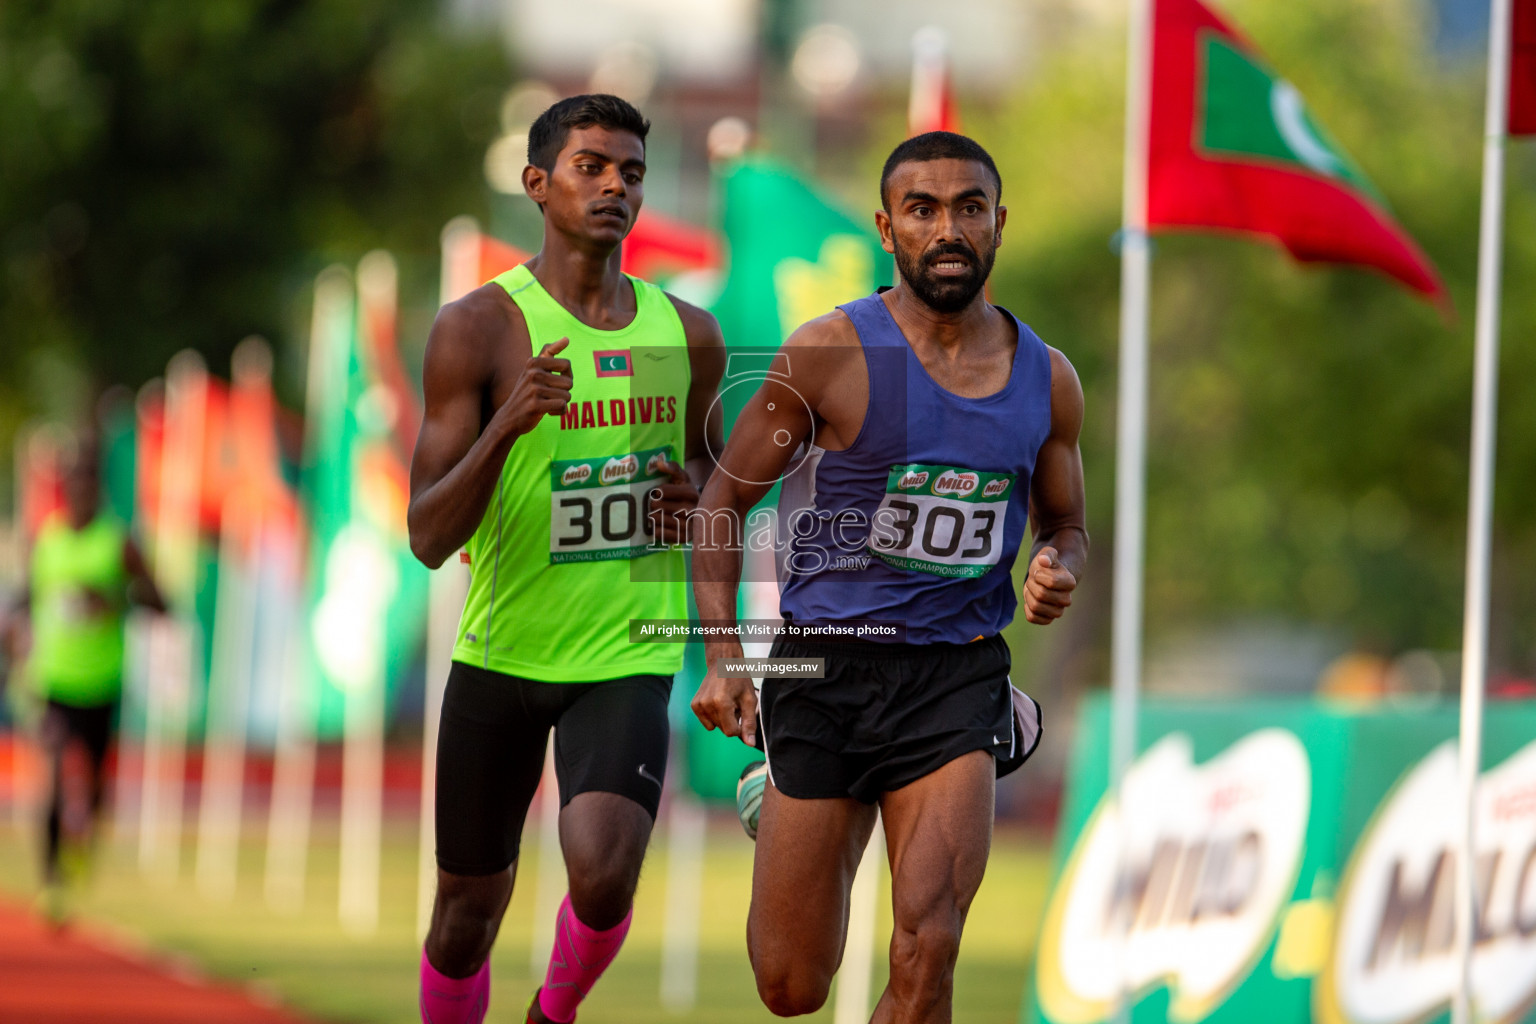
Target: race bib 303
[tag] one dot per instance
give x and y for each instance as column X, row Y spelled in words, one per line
column 942, row 520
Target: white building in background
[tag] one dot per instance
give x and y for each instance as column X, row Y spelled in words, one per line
column 690, row 64
column 701, row 40
column 707, row 41
column 989, row 40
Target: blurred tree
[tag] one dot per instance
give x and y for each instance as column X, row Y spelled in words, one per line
column 1309, row 425
column 173, row 173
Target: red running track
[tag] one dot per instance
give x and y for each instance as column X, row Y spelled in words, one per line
column 73, row 977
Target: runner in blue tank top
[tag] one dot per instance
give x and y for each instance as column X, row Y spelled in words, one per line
column 919, row 433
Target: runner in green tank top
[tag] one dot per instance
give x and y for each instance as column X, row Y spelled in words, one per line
column 566, row 527
column 563, row 443
column 83, row 572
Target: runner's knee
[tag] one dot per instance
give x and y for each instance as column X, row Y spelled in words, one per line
column 604, row 837
column 789, row 989
column 465, row 918
column 791, row 977
column 603, row 882
column 923, row 959
column 602, row 897
column 925, row 939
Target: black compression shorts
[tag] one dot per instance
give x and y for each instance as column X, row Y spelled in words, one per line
column 885, row 715
column 610, row 737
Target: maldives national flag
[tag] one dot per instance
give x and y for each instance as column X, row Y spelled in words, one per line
column 1233, row 146
column 1522, row 69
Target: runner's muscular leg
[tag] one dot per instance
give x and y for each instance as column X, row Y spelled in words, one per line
column 53, row 738
column 490, row 758
column 939, row 832
column 807, row 853
column 466, row 915
column 603, row 837
column 610, row 758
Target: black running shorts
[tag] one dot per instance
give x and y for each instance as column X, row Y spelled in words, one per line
column 92, row 727
column 885, row 715
column 610, row 737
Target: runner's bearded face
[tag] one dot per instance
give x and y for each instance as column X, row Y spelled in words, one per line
column 944, row 230
column 597, row 185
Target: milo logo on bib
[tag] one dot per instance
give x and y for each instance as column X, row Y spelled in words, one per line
column 955, row 483
column 620, row 470
column 597, row 506
column 943, row 520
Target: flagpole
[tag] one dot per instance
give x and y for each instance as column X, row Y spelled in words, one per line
column 1474, row 644
column 1131, row 428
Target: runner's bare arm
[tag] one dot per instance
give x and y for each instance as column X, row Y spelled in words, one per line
column 773, row 424
column 706, row 360
column 670, row 503
column 1057, row 504
column 457, row 464
column 141, row 585
column 771, row 427
column 15, row 625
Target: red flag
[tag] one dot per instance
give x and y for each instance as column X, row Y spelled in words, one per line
column 659, row 246
column 1233, row 147
column 39, row 479
column 497, row 257
column 258, row 485
column 377, row 308
column 1522, row 69
column 471, row 258
column 217, row 463
column 149, row 445
column 932, row 104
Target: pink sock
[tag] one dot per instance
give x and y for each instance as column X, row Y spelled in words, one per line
column 580, row 957
column 446, row 1000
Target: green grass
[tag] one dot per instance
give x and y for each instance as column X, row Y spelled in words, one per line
column 308, row 962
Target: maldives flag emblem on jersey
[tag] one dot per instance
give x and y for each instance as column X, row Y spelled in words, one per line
column 614, row 363
column 1232, row 145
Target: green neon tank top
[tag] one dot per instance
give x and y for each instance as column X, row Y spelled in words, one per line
column 561, row 562
column 79, row 595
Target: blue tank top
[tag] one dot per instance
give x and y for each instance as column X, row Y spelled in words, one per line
column 919, row 520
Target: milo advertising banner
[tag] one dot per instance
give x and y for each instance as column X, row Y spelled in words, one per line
column 1284, row 861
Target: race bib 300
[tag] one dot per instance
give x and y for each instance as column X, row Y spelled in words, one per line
column 942, row 520
column 597, row 506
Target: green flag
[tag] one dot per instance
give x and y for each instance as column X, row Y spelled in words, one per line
column 793, row 257
column 367, row 593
